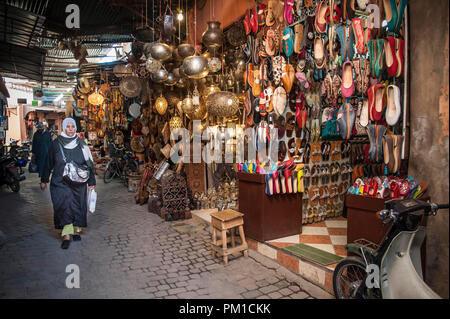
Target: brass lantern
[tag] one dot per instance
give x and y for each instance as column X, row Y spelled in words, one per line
column 161, row 105
column 95, row 98
column 223, row 104
column 175, row 122
column 187, row 105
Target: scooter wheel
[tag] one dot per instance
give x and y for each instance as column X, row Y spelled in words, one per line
column 15, row 186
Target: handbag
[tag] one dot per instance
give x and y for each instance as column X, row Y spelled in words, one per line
column 74, row 173
column 33, row 167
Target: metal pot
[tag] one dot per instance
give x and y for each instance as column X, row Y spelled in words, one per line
column 130, row 86
column 195, row 67
column 153, row 65
column 145, row 34
column 185, row 50
column 213, row 36
column 171, row 79
column 160, row 76
column 161, row 51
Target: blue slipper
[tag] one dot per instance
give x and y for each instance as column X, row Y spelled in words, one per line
column 288, row 41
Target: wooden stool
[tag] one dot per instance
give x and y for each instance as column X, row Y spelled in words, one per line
column 227, row 220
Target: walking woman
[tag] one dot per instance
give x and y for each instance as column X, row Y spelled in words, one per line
column 69, row 200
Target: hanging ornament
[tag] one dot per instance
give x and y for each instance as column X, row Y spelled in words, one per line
column 152, row 65
column 175, row 122
column 161, row 105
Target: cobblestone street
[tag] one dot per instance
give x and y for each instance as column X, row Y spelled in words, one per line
column 126, row 252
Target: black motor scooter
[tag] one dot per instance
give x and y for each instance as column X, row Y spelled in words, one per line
column 9, row 173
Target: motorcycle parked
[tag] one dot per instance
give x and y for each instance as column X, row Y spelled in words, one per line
column 20, row 154
column 392, row 270
column 9, row 173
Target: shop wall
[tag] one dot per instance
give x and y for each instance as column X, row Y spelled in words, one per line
column 429, row 124
column 16, row 124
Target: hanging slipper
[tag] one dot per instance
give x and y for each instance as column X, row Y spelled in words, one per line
column 256, row 87
column 262, row 104
column 320, row 23
column 247, row 25
column 279, row 100
column 348, row 85
column 268, row 92
column 278, row 64
column 298, row 38
column 269, row 44
column 270, row 18
column 309, row 30
column 289, row 11
column 359, row 34
column 288, row 77
column 261, row 9
column 288, row 41
column 319, row 53
column 290, row 124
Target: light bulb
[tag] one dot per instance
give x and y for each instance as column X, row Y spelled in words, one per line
column 180, row 16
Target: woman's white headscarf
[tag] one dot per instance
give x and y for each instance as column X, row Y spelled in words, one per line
column 75, row 140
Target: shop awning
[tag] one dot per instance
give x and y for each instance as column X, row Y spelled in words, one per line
column 29, row 108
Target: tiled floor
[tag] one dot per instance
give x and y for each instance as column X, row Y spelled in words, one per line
column 329, row 235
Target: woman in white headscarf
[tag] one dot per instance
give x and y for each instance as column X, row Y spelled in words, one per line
column 69, row 201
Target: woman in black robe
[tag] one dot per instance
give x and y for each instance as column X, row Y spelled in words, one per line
column 69, row 201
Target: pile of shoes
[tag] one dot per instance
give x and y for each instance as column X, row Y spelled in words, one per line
column 391, row 187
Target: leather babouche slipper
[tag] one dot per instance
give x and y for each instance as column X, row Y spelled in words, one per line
column 380, row 102
column 399, row 53
column 388, row 152
column 282, row 151
column 280, row 126
column 298, row 30
column 269, row 42
column 270, row 18
column 288, row 41
column 390, row 57
column 289, row 11
column 256, row 88
column 278, row 64
column 390, row 10
column 348, row 85
column 290, row 124
column 319, row 53
column 320, row 23
column 279, row 100
column 393, row 109
column 359, row 34
column 346, row 38
column 288, row 77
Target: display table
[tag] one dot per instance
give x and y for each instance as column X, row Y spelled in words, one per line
column 268, row 217
column 362, row 221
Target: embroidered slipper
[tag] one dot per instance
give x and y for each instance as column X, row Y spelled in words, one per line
column 261, row 15
column 359, row 33
column 289, row 11
column 288, row 41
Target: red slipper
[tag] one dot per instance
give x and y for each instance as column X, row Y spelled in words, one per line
column 399, row 53
column 254, row 21
column 247, row 25
column 358, row 31
column 320, row 23
column 390, row 56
